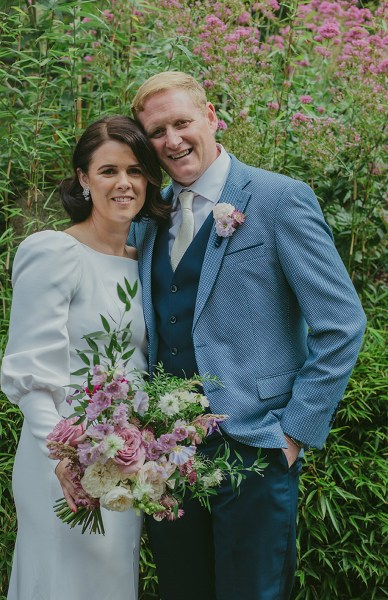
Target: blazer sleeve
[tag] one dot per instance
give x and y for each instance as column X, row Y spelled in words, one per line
column 36, row 365
column 332, row 310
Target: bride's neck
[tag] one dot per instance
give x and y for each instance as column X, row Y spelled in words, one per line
column 102, row 236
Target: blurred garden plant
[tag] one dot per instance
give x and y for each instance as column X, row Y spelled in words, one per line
column 300, row 88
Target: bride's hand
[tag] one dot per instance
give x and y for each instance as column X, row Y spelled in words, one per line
column 67, row 485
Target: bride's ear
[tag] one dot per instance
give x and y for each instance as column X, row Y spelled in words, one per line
column 82, row 178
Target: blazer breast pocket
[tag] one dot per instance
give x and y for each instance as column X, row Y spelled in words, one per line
column 239, row 255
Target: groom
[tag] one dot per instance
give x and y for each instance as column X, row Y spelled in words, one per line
column 268, row 307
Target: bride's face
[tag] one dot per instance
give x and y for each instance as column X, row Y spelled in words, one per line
column 116, row 182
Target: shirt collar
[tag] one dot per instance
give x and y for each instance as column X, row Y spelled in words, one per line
column 211, row 182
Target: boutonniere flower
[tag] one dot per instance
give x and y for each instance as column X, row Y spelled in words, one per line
column 227, row 220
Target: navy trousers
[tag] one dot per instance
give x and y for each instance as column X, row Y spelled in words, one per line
column 245, row 549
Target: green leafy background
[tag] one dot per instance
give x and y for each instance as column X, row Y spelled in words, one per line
column 64, row 64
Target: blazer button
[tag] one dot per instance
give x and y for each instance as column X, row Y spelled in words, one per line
column 173, row 319
column 174, row 289
column 174, row 351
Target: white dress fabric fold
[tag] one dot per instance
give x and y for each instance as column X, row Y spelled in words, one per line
column 60, row 289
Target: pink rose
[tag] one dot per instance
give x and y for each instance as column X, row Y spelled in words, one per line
column 132, row 456
column 66, row 432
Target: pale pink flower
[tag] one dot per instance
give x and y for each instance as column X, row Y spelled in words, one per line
column 120, row 415
column 166, row 441
column 273, row 105
column 92, row 411
column 67, row 432
column 306, row 99
column 132, row 456
column 89, row 453
column 99, row 431
column 99, row 375
column 225, row 227
column 221, row 125
column 181, row 431
column 102, row 399
column 88, row 58
column 118, row 390
column 238, row 217
column 181, row 454
column 148, row 436
column 153, row 451
column 140, row 402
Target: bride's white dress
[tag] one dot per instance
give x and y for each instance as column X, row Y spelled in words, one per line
column 60, row 288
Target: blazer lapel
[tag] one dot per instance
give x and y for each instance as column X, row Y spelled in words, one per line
column 146, row 253
column 233, row 193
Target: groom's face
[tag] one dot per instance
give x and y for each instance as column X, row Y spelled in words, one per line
column 181, row 133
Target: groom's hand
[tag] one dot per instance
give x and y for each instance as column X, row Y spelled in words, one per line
column 69, row 492
column 292, row 452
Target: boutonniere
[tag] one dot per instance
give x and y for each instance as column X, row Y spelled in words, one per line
column 227, row 220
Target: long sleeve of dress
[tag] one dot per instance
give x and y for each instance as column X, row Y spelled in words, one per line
column 35, row 367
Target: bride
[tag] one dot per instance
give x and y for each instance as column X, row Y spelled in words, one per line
column 62, row 282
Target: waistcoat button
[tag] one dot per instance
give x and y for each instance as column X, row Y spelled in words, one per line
column 174, row 351
column 173, row 319
column 174, row 289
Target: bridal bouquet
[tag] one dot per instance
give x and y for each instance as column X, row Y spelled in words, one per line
column 132, row 443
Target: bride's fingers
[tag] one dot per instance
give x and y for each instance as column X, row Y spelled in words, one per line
column 69, row 499
column 66, row 483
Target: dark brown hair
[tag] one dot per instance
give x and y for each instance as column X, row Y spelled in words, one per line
column 129, row 132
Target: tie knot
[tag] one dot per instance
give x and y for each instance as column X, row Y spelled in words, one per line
column 186, row 200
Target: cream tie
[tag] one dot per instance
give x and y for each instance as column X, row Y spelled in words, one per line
column 186, row 230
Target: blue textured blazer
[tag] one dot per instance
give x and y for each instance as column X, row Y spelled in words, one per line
column 277, row 318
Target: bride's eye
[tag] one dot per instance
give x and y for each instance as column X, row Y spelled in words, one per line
column 135, row 171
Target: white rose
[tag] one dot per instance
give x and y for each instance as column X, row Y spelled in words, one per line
column 222, row 210
column 153, row 475
column 99, row 478
column 118, row 499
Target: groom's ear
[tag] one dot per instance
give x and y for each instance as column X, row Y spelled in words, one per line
column 211, row 116
column 82, row 178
